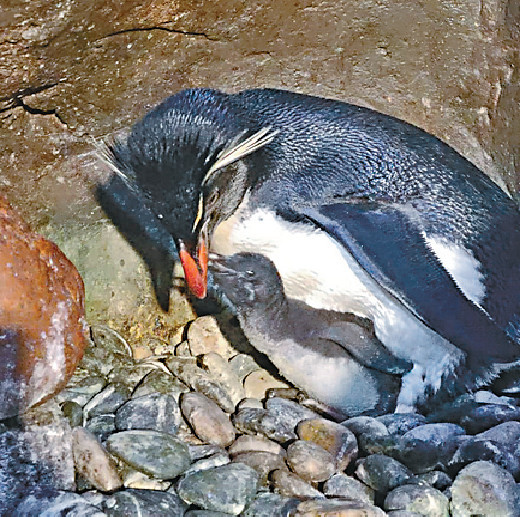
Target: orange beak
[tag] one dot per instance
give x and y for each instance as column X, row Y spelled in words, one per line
column 195, row 269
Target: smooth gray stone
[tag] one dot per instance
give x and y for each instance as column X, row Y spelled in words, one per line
column 485, row 416
column 158, row 454
column 341, row 485
column 107, row 401
column 505, row 455
column 102, row 426
column 228, row 488
column 483, row 488
column 268, row 504
column 382, row 473
column 430, row 446
column 422, row 499
column 401, row 423
column 54, row 503
column 141, row 503
column 156, row 411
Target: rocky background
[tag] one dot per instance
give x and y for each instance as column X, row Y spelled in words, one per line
column 170, row 409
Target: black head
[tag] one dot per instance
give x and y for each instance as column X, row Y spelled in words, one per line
column 181, row 161
column 247, row 279
column 168, row 153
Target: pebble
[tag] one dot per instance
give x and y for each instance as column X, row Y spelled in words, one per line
column 288, row 411
column 436, row 478
column 474, row 449
column 483, row 488
column 82, row 390
column 400, row 423
column 183, row 349
column 360, row 425
column 157, row 454
column 334, row 438
column 263, row 462
column 135, row 479
column 268, row 504
column 138, row 503
column 508, row 432
column 430, row 446
column 207, row 419
column 243, row 365
column 249, row 402
column 337, row 508
column 291, row 485
column 159, row 381
column 220, row 371
column 202, row 381
column 102, row 426
column 197, row 452
column 260, row 420
column 486, row 416
column 252, row 443
column 93, row 462
column 73, row 412
column 310, row 461
column 48, row 504
column 215, row 460
column 155, row 411
column 389, row 444
column 107, row 401
column 129, row 373
column 204, row 336
column 259, row 382
column 205, row 488
column 341, row 485
column 423, row 499
column 382, row 473
column 109, row 344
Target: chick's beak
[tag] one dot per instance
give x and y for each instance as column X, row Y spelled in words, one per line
column 195, row 267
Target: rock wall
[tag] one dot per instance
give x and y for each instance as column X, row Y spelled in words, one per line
column 76, row 71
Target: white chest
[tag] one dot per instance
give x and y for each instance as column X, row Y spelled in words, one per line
column 317, row 270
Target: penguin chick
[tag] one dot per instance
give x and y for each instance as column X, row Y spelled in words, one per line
column 334, row 357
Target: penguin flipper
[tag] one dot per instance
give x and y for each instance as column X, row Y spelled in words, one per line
column 365, row 348
column 391, row 248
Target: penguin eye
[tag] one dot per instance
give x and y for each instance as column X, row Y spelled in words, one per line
column 250, row 273
column 213, row 196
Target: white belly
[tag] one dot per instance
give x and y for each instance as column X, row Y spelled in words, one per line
column 315, row 269
column 339, row 382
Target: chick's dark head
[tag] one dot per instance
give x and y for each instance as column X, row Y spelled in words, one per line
column 247, row 279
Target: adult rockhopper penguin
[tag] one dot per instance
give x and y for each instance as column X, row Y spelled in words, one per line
column 360, row 212
column 333, row 356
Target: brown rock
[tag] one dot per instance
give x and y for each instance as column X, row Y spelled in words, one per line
column 205, row 336
column 310, row 461
column 42, row 310
column 93, row 462
column 255, row 443
column 291, row 485
column 208, row 421
column 262, row 462
column 257, row 383
column 335, row 438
